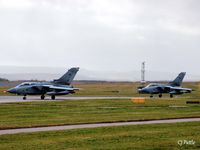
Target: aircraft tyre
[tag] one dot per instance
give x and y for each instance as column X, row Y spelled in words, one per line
column 53, row 97
column 42, row 97
column 171, row 96
column 24, row 98
column 160, row 95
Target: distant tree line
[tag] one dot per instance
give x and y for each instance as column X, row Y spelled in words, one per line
column 3, row 79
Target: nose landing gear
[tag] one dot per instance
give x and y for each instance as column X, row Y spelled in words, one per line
column 42, row 97
column 24, row 98
column 53, row 97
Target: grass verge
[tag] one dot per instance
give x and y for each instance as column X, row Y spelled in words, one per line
column 50, row 113
column 137, row 137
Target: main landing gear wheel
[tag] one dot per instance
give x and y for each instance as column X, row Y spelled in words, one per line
column 171, row 96
column 151, row 96
column 24, row 98
column 160, row 95
column 53, row 97
column 42, row 96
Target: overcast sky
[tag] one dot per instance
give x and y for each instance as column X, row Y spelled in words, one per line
column 101, row 34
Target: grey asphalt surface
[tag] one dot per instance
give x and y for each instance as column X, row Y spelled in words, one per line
column 14, row 99
column 68, row 127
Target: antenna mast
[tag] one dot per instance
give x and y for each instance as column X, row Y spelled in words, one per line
column 143, row 75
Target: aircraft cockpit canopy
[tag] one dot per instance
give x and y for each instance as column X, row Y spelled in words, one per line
column 26, row 84
column 152, row 85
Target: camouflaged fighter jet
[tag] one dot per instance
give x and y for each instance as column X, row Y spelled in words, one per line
column 61, row 86
column 173, row 88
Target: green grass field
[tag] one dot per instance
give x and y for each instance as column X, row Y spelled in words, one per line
column 137, row 137
column 48, row 113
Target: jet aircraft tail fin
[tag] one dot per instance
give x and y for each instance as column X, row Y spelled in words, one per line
column 179, row 79
column 68, row 77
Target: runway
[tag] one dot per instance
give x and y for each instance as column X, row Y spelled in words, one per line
column 14, row 99
column 82, row 126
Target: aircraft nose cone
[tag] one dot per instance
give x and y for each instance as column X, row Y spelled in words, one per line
column 142, row 91
column 12, row 90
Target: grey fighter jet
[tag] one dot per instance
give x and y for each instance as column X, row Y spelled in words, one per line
column 173, row 88
column 61, row 86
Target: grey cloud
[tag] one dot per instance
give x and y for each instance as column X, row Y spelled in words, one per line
column 102, row 34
